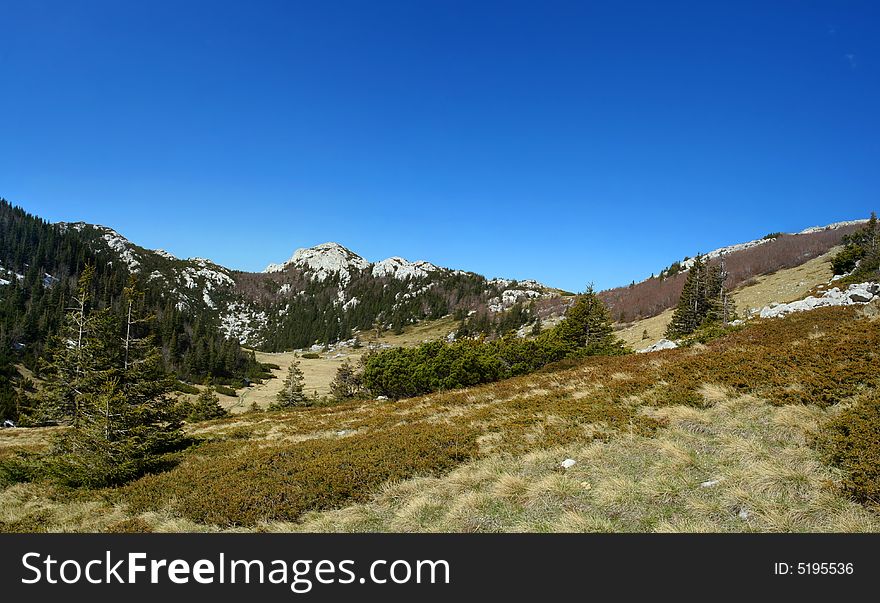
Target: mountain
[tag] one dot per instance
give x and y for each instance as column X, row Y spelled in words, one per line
column 322, row 294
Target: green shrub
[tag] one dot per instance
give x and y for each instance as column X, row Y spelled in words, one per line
column 851, row 442
column 311, row 355
column 707, row 333
column 230, row 484
column 19, row 468
column 226, row 391
column 438, row 365
column 185, row 388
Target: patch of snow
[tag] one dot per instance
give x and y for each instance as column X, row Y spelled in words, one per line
column 164, row 254
column 207, row 299
column 285, row 288
column 568, row 463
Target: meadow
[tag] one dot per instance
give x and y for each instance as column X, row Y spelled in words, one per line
column 741, row 434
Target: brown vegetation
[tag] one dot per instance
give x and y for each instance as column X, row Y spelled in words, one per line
column 654, row 295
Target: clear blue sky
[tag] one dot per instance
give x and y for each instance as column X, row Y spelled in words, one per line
column 568, row 142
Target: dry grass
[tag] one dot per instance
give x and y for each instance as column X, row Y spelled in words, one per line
column 783, row 286
column 786, row 285
column 647, row 431
column 748, row 469
column 318, row 373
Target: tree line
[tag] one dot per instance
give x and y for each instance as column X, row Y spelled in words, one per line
column 50, row 260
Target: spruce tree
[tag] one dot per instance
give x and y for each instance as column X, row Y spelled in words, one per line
column 587, row 327
column 119, row 414
column 291, row 393
column 347, row 384
column 704, row 300
column 207, row 406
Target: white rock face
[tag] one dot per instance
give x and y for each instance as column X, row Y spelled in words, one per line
column 324, row 260
column 242, row 323
column 122, row 246
column 715, row 253
column 861, row 293
column 831, row 226
column 663, row 344
column 402, row 269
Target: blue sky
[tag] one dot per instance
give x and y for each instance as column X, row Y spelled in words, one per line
column 564, row 141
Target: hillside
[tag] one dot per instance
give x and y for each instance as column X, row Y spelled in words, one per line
column 722, row 437
column 322, row 294
column 765, row 426
column 743, row 262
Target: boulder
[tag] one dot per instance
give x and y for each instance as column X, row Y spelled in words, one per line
column 861, row 297
column 663, row 344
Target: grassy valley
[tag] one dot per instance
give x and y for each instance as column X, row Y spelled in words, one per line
column 727, row 436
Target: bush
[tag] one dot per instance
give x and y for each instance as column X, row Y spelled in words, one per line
column 438, row 365
column 707, row 333
column 846, row 260
column 851, row 442
column 185, row 388
column 311, row 355
column 205, row 408
column 19, row 468
column 230, row 485
column 226, row 391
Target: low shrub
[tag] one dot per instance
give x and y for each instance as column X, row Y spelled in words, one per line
column 185, row 388
column 311, row 355
column 19, row 467
column 230, row 484
column 851, row 442
column 226, row 391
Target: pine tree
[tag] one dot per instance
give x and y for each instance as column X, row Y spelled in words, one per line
column 347, row 384
column 587, row 326
column 703, row 300
column 536, row 328
column 207, row 406
column 117, row 407
column 291, row 393
column 861, row 254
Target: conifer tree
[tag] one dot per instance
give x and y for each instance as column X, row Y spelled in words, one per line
column 587, row 326
column 291, row 393
column 861, row 253
column 703, row 300
column 120, row 417
column 347, row 384
column 207, row 406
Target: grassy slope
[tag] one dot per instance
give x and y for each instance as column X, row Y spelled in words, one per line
column 783, row 286
column 646, row 432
